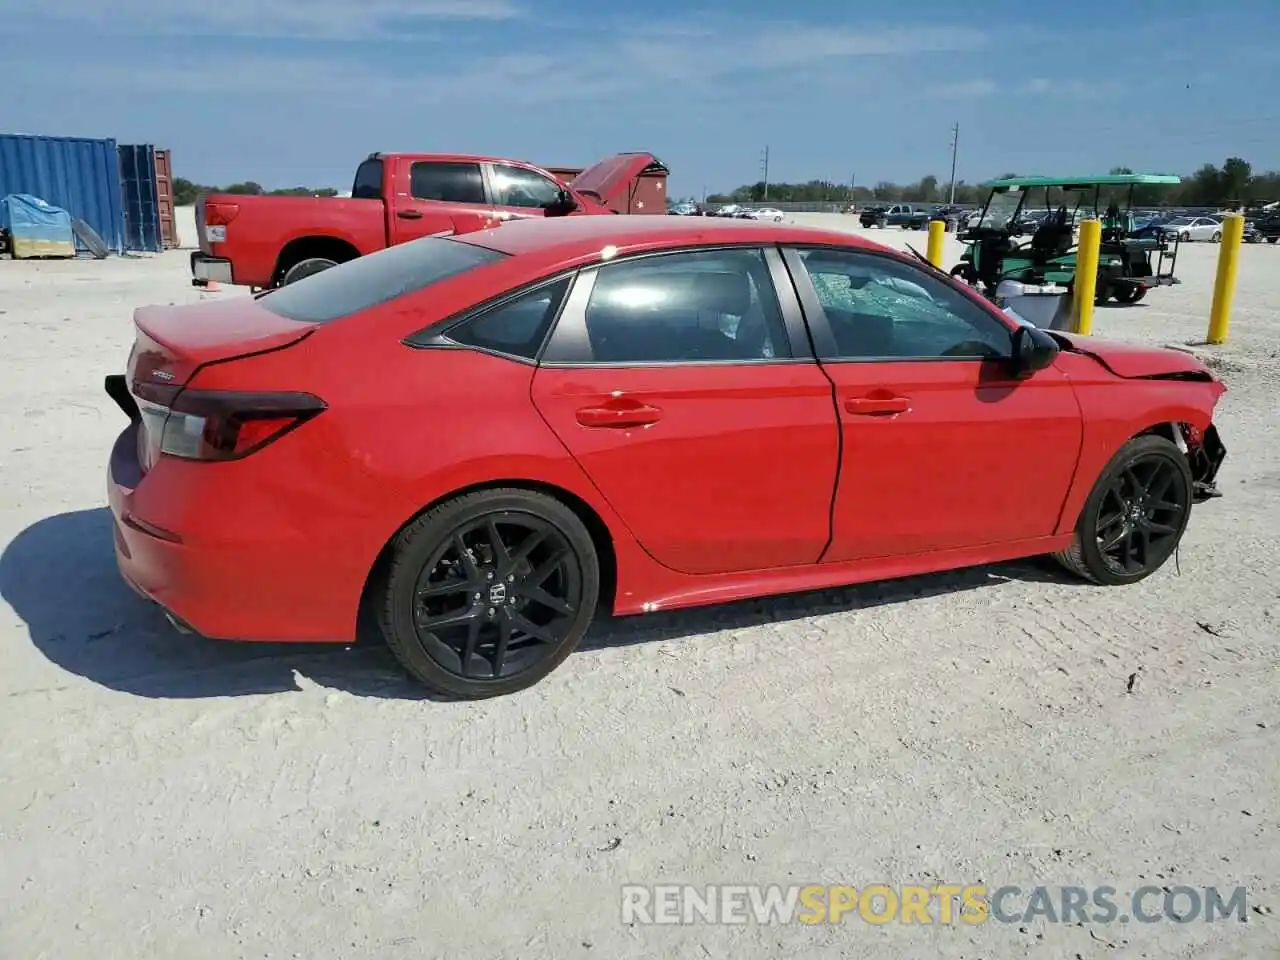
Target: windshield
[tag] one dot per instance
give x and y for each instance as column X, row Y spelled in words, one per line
column 368, row 281
column 1180, row 221
column 1001, row 207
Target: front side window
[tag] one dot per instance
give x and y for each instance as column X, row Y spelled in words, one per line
column 881, row 308
column 704, row 306
column 447, row 182
column 368, row 281
column 518, row 187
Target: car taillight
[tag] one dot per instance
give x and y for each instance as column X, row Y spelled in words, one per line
column 220, row 214
column 216, row 218
column 221, row 425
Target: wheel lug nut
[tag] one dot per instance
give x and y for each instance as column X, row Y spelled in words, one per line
column 492, row 611
column 489, row 575
column 477, row 596
column 511, row 578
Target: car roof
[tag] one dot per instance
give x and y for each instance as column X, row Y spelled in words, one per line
column 575, row 237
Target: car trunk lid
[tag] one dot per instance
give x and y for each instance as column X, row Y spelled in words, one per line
column 173, row 343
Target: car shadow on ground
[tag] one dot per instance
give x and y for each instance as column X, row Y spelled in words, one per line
column 60, row 577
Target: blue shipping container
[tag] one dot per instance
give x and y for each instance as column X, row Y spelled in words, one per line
column 140, row 197
column 81, row 176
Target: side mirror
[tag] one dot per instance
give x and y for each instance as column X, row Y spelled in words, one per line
column 1033, row 350
column 563, row 204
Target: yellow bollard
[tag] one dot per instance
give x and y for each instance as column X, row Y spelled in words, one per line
column 1224, row 287
column 1085, row 287
column 937, row 232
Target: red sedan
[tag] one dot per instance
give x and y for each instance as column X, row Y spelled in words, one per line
column 486, row 439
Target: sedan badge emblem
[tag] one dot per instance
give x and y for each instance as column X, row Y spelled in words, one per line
column 162, row 375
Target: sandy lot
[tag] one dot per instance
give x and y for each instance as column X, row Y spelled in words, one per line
column 165, row 797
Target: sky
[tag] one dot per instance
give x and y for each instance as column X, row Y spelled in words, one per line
column 297, row 92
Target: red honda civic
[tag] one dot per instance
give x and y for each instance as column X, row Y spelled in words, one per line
column 487, row 439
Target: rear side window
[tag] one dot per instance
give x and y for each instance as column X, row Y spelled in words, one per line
column 368, row 185
column 447, row 182
column 516, row 327
column 368, row 281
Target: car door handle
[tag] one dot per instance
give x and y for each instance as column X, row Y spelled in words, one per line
column 410, row 214
column 877, row 406
column 636, row 415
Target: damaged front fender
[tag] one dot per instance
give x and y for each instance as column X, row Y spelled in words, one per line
column 1205, row 454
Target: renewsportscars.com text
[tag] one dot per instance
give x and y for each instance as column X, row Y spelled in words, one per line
column 937, row 904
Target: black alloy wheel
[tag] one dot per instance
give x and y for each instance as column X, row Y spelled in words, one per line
column 1135, row 516
column 489, row 592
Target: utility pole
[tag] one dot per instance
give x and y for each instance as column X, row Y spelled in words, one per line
column 955, row 144
column 764, row 167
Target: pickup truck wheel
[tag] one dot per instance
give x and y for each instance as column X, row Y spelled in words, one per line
column 305, row 268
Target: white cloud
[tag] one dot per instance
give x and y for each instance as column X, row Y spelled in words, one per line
column 276, row 19
column 964, row 89
column 572, row 65
column 1061, row 87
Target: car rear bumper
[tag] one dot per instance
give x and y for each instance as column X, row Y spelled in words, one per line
column 206, row 269
column 220, row 560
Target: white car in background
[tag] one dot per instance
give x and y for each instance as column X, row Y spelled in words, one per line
column 766, row 213
column 1194, row 228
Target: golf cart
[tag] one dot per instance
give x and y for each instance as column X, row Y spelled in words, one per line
column 1125, row 265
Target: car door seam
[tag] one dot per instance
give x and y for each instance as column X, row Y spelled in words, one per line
column 835, row 409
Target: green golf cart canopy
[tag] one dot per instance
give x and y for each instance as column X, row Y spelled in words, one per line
column 1083, row 183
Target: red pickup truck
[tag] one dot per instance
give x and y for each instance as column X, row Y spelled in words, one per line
column 264, row 242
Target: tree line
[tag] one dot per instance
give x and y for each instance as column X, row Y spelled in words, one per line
column 1232, row 184
column 185, row 191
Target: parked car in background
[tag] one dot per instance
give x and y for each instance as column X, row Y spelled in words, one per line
column 895, row 215
column 1267, row 225
column 1193, row 228
column 1149, row 228
column 268, row 241
column 726, row 210
column 684, row 209
column 471, row 440
column 767, row 213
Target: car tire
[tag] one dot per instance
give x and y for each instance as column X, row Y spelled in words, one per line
column 511, row 627
column 1185, row 237
column 1272, row 239
column 306, row 268
column 1217, row 236
column 1110, row 517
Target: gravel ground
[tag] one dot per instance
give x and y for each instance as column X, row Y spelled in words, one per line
column 162, row 796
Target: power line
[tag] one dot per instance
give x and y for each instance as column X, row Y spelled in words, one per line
column 764, row 169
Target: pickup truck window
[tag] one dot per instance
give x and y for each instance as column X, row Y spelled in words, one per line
column 374, row 279
column 368, row 185
column 517, row 187
column 447, row 182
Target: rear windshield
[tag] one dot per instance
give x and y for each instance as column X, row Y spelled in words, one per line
column 368, row 281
